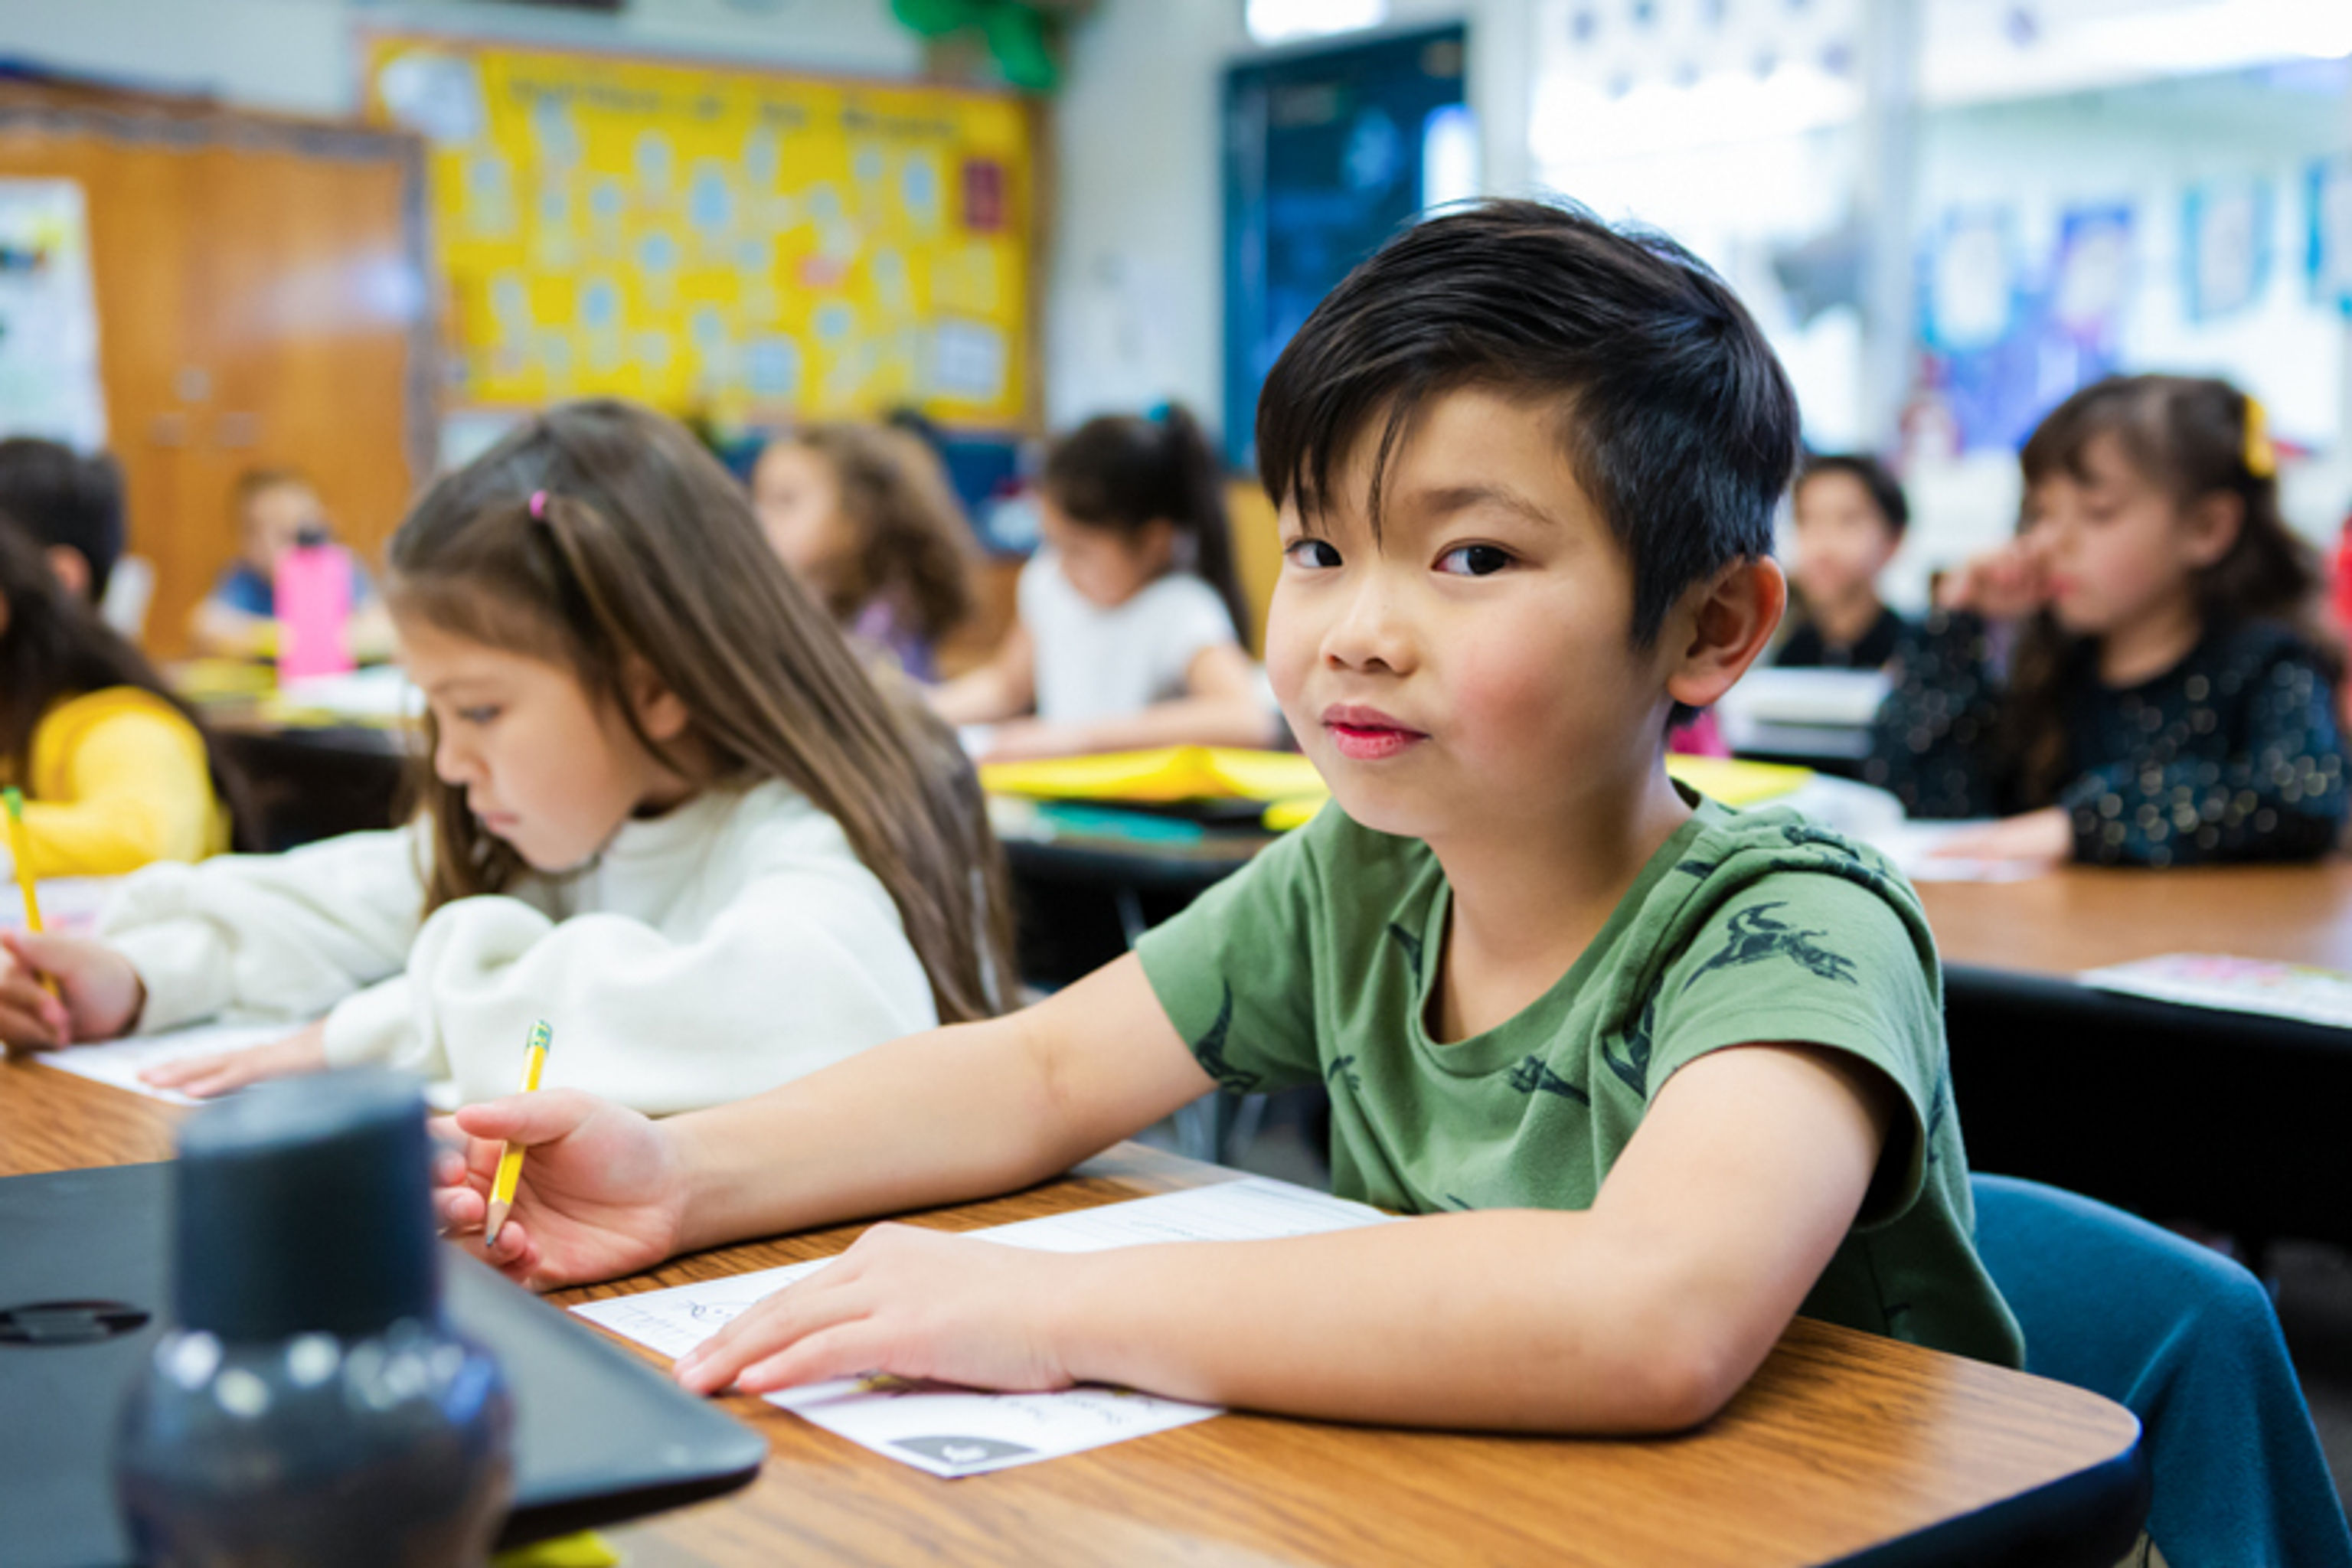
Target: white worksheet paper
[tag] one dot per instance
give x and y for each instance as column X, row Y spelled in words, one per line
column 953, row 1431
column 120, row 1062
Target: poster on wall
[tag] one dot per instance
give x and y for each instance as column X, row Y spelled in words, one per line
column 2006, row 339
column 2225, row 247
column 2328, row 255
column 719, row 242
column 48, row 316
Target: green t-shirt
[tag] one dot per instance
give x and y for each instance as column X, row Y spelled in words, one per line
column 1317, row 961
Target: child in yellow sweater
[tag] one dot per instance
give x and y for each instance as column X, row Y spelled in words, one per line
column 115, row 771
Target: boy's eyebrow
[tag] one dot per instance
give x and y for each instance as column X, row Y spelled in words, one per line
column 1444, row 501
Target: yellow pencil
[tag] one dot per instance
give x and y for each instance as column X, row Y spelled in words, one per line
column 21, row 851
column 502, row 1190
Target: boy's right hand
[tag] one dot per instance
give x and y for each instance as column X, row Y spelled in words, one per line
column 99, row 995
column 602, row 1190
column 2001, row 584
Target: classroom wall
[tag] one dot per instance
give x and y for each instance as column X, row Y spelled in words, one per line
column 295, row 56
column 1134, row 279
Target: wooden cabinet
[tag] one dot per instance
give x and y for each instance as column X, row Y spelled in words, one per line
column 262, row 300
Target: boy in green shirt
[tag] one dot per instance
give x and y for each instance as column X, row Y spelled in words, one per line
column 1654, row 1075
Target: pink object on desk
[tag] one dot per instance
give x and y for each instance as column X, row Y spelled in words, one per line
column 314, row 607
column 1701, row 737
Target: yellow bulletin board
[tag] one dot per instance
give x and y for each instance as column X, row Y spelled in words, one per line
column 722, row 242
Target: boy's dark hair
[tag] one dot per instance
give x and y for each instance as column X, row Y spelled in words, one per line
column 59, row 497
column 1121, row 471
column 1885, row 494
column 1681, row 427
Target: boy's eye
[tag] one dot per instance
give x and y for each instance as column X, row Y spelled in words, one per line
column 478, row 715
column 1311, row 553
column 1475, row 560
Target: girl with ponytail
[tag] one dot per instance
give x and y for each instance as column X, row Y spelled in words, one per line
column 663, row 805
column 2169, row 692
column 1131, row 625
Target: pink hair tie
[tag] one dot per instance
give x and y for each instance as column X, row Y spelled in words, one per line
column 539, row 505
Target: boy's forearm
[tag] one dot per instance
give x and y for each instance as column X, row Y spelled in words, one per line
column 1510, row 1320
column 936, row 1117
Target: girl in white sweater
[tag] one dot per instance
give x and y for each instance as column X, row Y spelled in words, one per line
column 665, row 809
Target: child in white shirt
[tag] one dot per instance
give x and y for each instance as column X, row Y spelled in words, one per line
column 1130, row 626
column 666, row 810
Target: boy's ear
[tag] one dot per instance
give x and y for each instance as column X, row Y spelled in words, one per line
column 2213, row 526
column 1724, row 627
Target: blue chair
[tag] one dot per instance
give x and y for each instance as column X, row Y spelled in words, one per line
column 2187, row 1340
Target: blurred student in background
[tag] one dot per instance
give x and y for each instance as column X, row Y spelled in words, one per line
column 1130, row 630
column 71, row 505
column 865, row 516
column 116, row 773
column 277, row 509
column 2170, row 699
column 1850, row 518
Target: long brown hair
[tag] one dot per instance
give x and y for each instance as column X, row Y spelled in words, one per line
column 913, row 546
column 54, row 647
column 643, row 553
column 2189, row 435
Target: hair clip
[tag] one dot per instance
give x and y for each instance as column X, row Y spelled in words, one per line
column 2261, row 455
column 1157, row 412
column 538, row 506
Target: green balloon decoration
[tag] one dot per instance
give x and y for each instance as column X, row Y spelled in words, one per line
column 1018, row 34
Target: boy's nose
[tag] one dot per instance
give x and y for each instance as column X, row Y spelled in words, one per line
column 1372, row 632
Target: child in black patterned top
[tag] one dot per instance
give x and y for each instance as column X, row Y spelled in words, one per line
column 2169, row 696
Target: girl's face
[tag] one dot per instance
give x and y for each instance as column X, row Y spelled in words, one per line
column 1473, row 666
column 544, row 767
column 1843, row 540
column 1108, row 566
column 2116, row 547
column 798, row 497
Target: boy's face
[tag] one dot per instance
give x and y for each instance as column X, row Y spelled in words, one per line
column 274, row 518
column 1473, row 667
column 1843, row 540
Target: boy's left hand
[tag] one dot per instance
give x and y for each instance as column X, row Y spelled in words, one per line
column 2044, row 836
column 905, row 1300
column 305, row 1050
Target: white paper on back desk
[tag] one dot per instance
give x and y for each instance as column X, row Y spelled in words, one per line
column 953, row 1431
column 120, row 1062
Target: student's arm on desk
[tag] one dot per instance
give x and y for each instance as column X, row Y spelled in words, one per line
column 223, row 631
column 1647, row 1312
column 1004, row 687
column 1222, row 706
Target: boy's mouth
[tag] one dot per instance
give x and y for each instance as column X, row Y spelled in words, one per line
column 1367, row 734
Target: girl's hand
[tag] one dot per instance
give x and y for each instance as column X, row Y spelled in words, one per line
column 602, row 1190
column 305, row 1050
column 99, row 994
column 1999, row 585
column 903, row 1300
column 2044, row 837
column 1020, row 740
